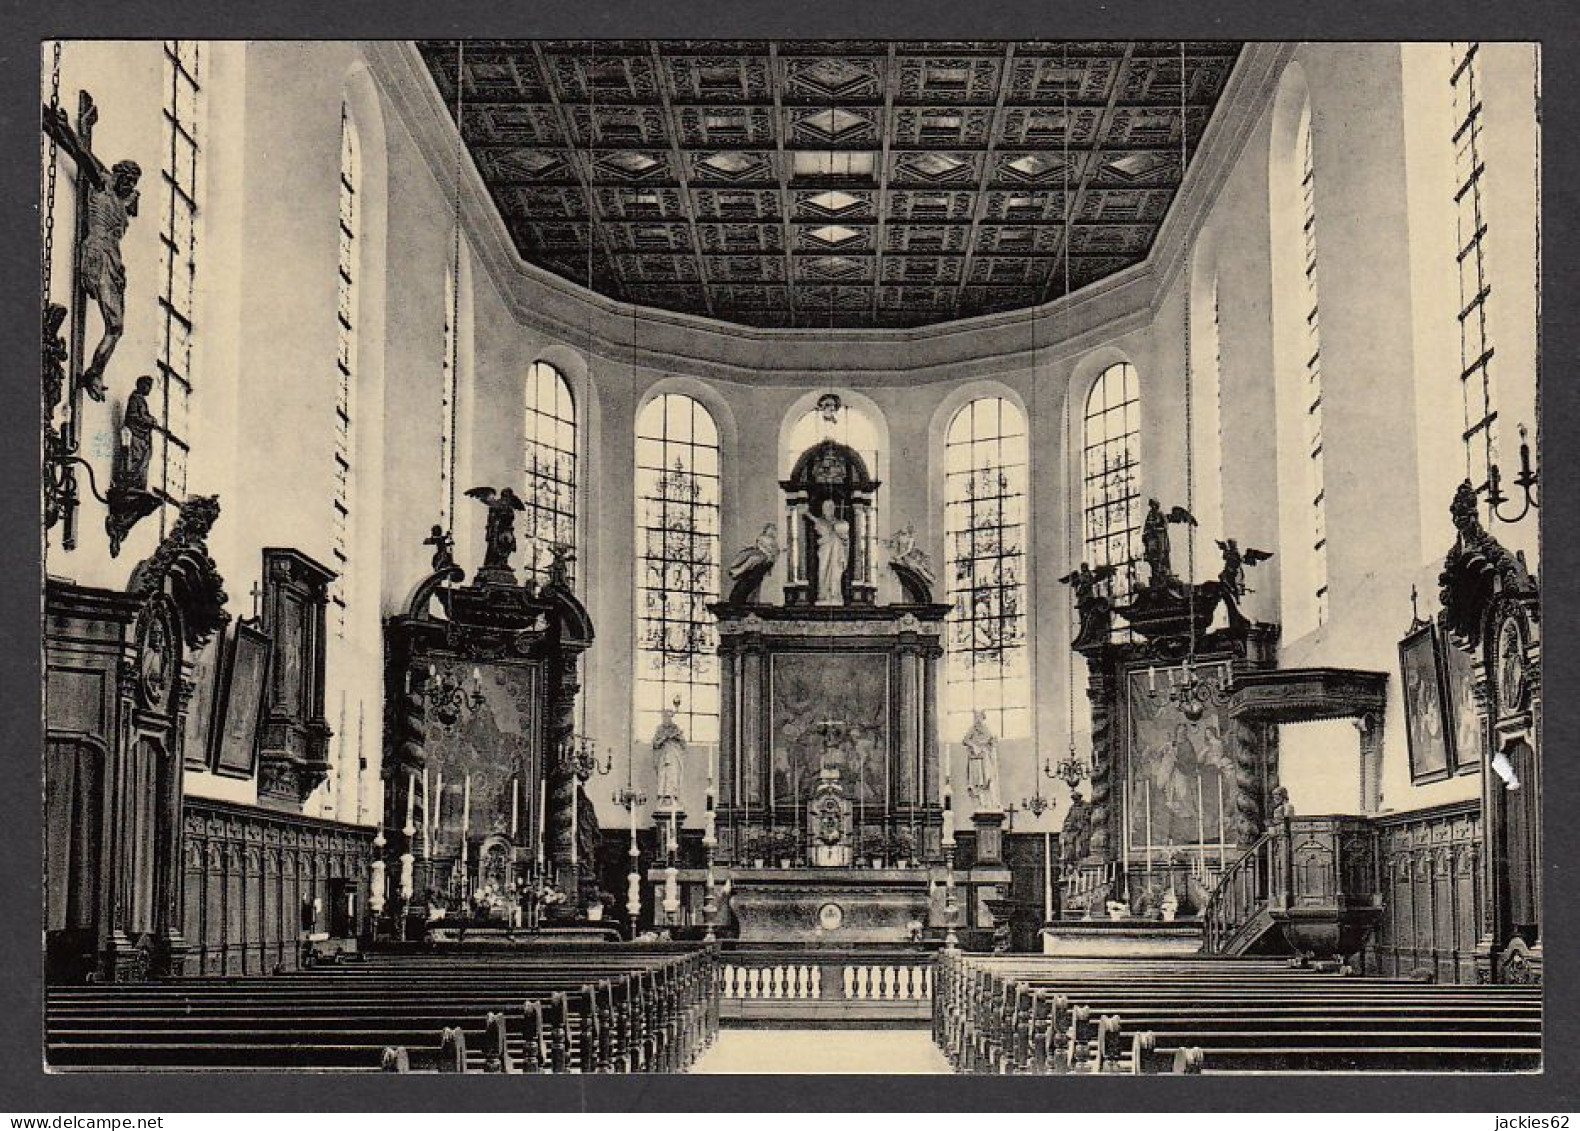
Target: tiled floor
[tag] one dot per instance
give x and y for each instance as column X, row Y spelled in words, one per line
column 898, row 1051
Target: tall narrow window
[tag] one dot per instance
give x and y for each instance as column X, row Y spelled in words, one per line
column 550, row 465
column 178, row 246
column 677, row 536
column 1111, row 507
column 447, row 399
column 1475, row 344
column 346, row 368
column 985, row 530
column 1316, row 478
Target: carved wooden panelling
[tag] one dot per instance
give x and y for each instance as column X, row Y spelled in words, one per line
column 251, row 878
column 911, row 148
column 1432, row 894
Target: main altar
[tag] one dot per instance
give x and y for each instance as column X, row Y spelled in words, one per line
column 829, row 814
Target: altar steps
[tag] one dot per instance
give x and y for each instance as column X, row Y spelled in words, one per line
column 1122, row 938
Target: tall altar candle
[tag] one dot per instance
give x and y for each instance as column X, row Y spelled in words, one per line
column 427, row 819
column 1201, row 827
column 438, row 796
column 466, row 821
column 1047, row 876
column 574, row 807
column 515, row 812
column 543, row 819
column 411, row 794
column 1149, row 828
column 1220, row 821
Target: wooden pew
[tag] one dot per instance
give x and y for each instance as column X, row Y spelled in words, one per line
column 1026, row 1014
column 630, row 1010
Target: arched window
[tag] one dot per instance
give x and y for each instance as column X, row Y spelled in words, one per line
column 1475, row 344
column 1206, row 377
column 549, row 455
column 677, row 536
column 1311, row 355
column 985, row 537
column 178, row 248
column 447, row 401
column 346, row 367
column 1111, row 505
column 848, row 424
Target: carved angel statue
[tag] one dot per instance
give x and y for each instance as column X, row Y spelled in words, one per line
column 443, row 547
column 764, row 550
column 1092, row 606
column 500, row 535
column 1155, row 540
column 1235, row 560
column 904, row 551
column 669, row 749
column 982, row 765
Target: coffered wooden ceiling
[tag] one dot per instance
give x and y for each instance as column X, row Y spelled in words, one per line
column 841, row 183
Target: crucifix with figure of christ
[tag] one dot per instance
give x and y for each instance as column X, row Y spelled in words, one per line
column 106, row 200
column 831, row 730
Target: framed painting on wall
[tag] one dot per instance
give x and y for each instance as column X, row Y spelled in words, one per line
column 1464, row 723
column 198, row 741
column 239, row 701
column 1426, row 718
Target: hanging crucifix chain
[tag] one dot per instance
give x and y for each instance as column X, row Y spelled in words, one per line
column 51, row 173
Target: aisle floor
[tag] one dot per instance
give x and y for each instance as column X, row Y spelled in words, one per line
column 791, row 1051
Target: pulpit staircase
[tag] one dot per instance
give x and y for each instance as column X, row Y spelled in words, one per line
column 1309, row 885
column 1238, row 918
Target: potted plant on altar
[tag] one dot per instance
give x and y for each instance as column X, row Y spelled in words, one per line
column 784, row 848
column 599, row 907
column 902, row 846
column 757, row 851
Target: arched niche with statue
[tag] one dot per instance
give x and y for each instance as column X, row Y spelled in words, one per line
column 831, row 529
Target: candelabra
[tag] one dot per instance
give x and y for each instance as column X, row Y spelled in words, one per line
column 1070, row 769
column 376, row 882
column 1190, row 691
column 630, row 800
column 448, row 699
column 1527, row 481
column 581, row 753
column 951, row 904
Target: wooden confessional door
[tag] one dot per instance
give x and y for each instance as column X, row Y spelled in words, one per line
column 73, row 848
column 1521, row 848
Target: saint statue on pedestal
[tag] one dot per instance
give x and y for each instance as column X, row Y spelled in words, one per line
column 982, row 765
column 833, row 552
column 669, row 749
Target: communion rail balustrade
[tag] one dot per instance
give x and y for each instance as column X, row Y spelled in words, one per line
column 829, row 987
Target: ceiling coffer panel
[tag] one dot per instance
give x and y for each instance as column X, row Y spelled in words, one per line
column 847, row 183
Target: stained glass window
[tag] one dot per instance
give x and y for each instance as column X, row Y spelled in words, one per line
column 677, row 536
column 550, row 468
column 987, row 666
column 1111, row 505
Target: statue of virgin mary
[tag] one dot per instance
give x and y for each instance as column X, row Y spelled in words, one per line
column 669, row 751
